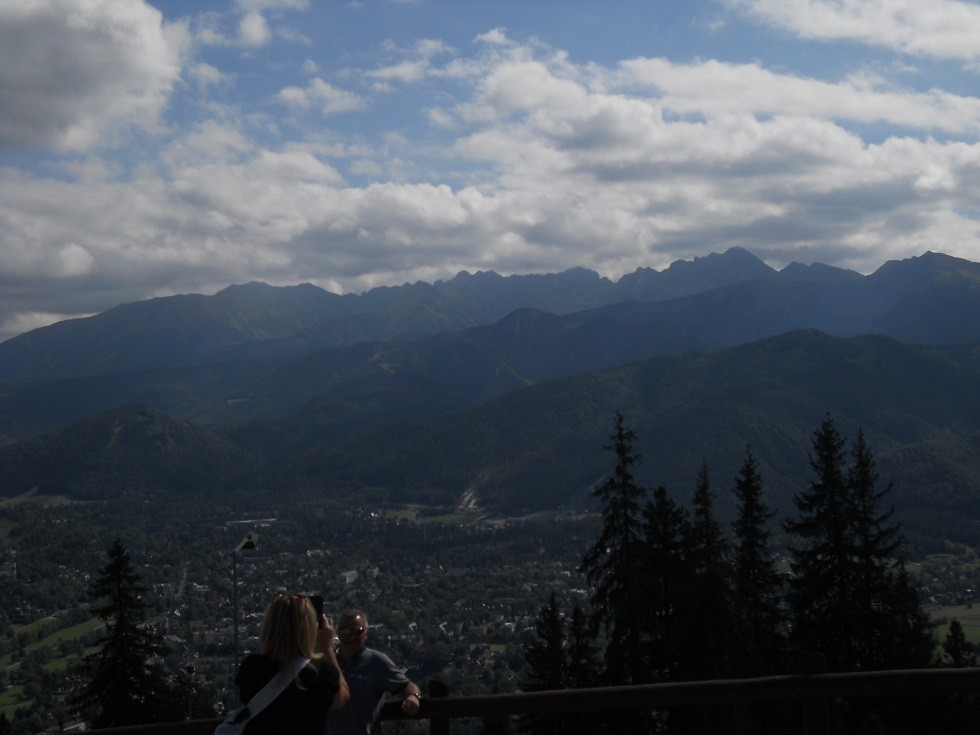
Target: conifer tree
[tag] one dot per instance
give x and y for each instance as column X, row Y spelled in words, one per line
column 850, row 597
column 823, row 573
column 908, row 634
column 561, row 657
column 957, row 648
column 758, row 586
column 876, row 541
column 583, row 664
column 665, row 580
column 707, row 596
column 614, row 565
column 128, row 686
column 546, row 665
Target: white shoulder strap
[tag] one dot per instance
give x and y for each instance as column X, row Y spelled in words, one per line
column 276, row 685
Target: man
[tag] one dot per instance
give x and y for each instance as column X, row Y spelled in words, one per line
column 369, row 674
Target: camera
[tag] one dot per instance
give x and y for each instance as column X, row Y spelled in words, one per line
column 317, row 601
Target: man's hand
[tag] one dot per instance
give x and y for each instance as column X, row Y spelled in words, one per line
column 411, row 704
column 325, row 634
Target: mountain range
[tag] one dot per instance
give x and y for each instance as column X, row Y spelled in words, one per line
column 504, row 389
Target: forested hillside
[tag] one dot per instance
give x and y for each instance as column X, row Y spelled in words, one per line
column 267, row 394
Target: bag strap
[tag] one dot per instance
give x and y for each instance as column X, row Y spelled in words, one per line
column 275, row 686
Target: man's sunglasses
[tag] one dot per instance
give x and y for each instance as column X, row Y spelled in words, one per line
column 350, row 631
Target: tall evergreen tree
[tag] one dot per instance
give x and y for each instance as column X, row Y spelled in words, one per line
column 707, row 594
column 561, row 657
column 758, row 586
column 666, row 561
column 908, row 637
column 875, row 543
column 614, row 565
column 128, row 686
column 850, row 597
column 823, row 573
column 546, row 663
column 583, row 663
column 957, row 648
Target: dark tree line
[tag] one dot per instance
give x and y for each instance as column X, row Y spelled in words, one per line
column 677, row 598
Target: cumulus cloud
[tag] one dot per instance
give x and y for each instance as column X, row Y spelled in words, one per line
column 413, row 64
column 71, row 71
column 534, row 163
column 329, row 99
column 254, row 29
column 206, row 75
column 713, row 88
column 254, row 6
column 945, row 29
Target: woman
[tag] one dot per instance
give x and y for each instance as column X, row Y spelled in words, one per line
column 290, row 628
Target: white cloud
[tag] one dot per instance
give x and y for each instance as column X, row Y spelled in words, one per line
column 713, row 88
column 211, row 141
column 495, row 37
column 73, row 261
column 254, row 29
column 254, row 6
column 552, row 164
column 323, row 95
column 206, row 75
column 70, row 71
column 945, row 29
column 416, row 64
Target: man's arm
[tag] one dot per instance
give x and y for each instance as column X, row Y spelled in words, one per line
column 398, row 683
column 411, row 699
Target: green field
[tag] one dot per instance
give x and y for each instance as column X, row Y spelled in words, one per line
column 12, row 698
column 968, row 615
column 51, row 640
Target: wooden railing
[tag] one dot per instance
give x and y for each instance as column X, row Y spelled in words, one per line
column 813, row 691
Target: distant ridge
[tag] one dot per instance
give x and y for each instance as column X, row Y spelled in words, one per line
column 224, row 359
column 504, row 386
column 195, row 329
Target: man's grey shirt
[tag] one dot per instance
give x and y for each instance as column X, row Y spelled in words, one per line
column 370, row 674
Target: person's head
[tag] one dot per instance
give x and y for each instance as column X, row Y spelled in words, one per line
column 289, row 628
column 352, row 630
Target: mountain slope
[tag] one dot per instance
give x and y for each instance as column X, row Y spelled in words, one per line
column 934, row 299
column 126, row 451
column 542, row 446
column 170, row 331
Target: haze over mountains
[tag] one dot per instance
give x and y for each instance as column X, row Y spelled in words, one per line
column 506, row 387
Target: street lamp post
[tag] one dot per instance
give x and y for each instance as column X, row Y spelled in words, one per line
column 247, row 543
column 190, row 689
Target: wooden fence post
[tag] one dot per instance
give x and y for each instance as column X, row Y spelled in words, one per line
column 816, row 719
column 438, row 725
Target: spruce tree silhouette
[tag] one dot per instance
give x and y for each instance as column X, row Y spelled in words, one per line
column 614, row 566
column 758, row 585
column 128, row 685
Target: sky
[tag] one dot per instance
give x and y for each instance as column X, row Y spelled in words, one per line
column 181, row 146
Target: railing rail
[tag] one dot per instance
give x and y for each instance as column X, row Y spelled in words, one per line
column 440, row 709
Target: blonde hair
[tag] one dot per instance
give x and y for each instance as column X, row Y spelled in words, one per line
column 289, row 628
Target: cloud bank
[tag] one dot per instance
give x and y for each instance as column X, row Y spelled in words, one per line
column 133, row 168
